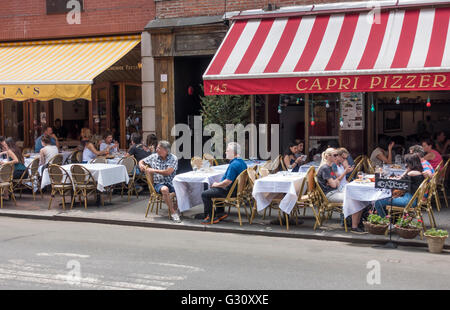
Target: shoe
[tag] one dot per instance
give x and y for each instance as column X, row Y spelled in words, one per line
column 358, row 231
column 207, row 221
column 139, row 189
column 199, row 216
column 176, row 218
column 222, row 216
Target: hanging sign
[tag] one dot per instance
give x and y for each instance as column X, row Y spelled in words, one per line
column 352, row 111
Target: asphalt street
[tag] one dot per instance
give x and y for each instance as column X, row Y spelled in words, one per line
column 38, row 254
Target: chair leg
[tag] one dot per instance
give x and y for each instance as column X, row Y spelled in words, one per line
column 438, row 202
column 63, row 199
column 445, row 196
column 239, row 213
column 51, row 198
column 253, row 213
column 287, row 220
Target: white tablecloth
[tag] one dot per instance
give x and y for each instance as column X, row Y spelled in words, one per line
column 28, row 160
column 358, row 195
column 104, row 174
column 189, row 186
column 265, row 189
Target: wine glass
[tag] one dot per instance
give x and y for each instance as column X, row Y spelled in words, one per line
column 360, row 175
column 290, row 168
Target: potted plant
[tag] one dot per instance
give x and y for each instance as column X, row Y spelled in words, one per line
column 376, row 224
column 436, row 239
column 408, row 227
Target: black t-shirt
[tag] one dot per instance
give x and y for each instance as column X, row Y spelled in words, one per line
column 138, row 152
column 324, row 173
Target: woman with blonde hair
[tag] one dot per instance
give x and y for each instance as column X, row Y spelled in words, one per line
column 329, row 183
column 89, row 150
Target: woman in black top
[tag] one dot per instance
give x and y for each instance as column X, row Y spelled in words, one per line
column 414, row 174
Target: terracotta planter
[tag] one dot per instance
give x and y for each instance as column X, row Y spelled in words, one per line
column 407, row 233
column 435, row 243
column 376, row 229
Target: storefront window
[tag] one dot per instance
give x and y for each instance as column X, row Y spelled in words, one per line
column 13, row 119
column 133, row 108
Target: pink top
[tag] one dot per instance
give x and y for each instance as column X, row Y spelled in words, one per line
column 437, row 159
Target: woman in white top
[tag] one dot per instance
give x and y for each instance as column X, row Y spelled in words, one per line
column 48, row 151
column 379, row 156
column 89, row 150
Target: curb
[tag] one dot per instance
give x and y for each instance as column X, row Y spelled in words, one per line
column 213, row 229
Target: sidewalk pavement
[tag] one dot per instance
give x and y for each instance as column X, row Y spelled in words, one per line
column 132, row 213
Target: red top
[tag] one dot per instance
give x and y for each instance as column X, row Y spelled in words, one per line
column 437, row 159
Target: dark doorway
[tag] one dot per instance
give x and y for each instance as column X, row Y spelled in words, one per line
column 188, row 73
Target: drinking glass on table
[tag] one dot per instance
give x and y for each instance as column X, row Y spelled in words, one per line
column 360, row 175
column 290, row 168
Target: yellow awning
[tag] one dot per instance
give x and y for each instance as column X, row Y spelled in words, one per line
column 61, row 69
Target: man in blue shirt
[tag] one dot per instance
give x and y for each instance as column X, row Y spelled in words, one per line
column 48, row 131
column 221, row 189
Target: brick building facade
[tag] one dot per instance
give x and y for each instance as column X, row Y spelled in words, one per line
column 28, row 19
column 112, row 91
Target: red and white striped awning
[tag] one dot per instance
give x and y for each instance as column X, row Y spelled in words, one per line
column 401, row 50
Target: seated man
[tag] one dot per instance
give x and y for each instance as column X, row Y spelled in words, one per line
column 221, row 189
column 162, row 165
column 48, row 131
column 108, row 142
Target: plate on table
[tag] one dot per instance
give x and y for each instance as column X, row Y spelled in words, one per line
column 363, row 181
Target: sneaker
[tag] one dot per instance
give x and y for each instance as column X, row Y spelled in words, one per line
column 207, row 221
column 358, row 231
column 176, row 218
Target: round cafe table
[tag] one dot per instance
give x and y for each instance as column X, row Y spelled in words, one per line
column 358, row 195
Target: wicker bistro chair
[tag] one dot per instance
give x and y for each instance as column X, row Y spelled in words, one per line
column 273, row 165
column 359, row 167
column 56, row 160
column 422, row 202
column 240, row 184
column 155, row 198
column 440, row 181
column 99, row 160
column 29, row 182
column 6, row 184
column 61, row 183
column 130, row 163
column 196, row 162
column 368, row 165
column 304, row 201
column 437, row 182
column 358, row 159
column 321, row 201
column 211, row 159
column 84, row 184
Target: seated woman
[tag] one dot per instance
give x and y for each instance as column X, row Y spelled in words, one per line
column 380, row 156
column 342, row 167
column 346, row 159
column 47, row 152
column 89, row 150
column 17, row 159
column 414, row 174
column 289, row 159
column 329, row 183
column 432, row 156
